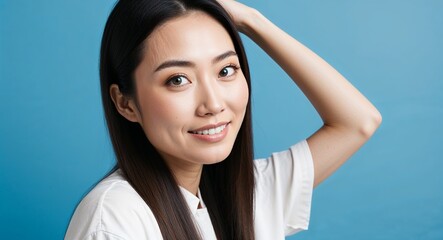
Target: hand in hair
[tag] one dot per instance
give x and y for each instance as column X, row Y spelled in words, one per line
column 239, row 13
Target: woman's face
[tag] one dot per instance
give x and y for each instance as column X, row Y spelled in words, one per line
column 191, row 92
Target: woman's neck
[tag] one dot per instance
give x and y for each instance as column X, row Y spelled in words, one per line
column 189, row 178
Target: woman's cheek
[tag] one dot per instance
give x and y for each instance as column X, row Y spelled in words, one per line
column 168, row 110
column 241, row 94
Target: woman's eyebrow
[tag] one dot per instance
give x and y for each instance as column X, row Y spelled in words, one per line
column 183, row 63
column 174, row 63
column 223, row 56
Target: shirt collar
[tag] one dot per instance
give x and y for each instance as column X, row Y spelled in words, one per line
column 192, row 200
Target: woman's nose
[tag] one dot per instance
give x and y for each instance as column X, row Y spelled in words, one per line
column 211, row 100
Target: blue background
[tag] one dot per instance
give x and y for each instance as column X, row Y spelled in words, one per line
column 54, row 145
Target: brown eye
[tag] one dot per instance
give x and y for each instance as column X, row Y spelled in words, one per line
column 178, row 81
column 227, row 71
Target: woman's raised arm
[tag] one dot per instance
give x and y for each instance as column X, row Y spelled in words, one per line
column 349, row 119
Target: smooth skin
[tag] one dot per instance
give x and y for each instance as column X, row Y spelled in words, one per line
column 189, row 79
column 349, row 119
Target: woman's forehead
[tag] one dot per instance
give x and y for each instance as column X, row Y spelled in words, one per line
column 194, row 36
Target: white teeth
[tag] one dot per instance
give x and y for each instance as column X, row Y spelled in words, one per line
column 210, row 131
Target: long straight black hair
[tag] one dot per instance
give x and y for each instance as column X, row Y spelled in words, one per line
column 227, row 187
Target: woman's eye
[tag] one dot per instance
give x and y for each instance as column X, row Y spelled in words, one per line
column 227, row 71
column 178, row 81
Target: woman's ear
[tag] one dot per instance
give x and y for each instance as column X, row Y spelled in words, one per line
column 124, row 105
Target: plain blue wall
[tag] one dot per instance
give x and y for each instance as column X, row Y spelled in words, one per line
column 53, row 142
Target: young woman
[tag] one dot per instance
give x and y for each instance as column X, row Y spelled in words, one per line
column 176, row 94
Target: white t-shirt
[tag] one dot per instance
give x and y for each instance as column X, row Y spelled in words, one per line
column 114, row 210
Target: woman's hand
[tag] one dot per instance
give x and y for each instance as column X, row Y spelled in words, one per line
column 240, row 13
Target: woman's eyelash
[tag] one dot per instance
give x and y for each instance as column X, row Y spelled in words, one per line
column 235, row 66
column 177, row 80
column 226, row 73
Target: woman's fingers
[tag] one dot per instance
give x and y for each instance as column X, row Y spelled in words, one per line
column 238, row 12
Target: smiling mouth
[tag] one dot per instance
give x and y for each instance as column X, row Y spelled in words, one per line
column 210, row 131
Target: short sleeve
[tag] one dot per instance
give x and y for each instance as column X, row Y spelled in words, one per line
column 284, row 186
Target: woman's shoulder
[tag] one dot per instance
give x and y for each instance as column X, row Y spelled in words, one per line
column 114, row 190
column 113, row 209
